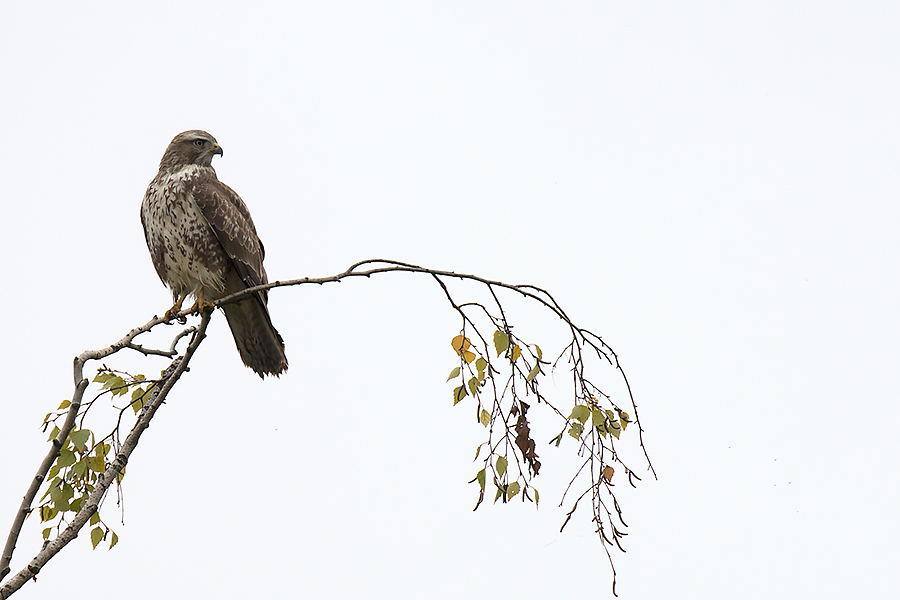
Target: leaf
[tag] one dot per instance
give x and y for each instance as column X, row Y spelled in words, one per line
column 102, row 377
column 66, row 458
column 614, row 429
column 608, row 473
column 46, row 532
column 534, row 372
column 76, row 504
column 540, row 354
column 53, row 433
column 64, row 404
column 114, row 540
column 458, row 394
column 468, row 356
column 501, row 342
column 501, row 466
column 79, row 438
column 481, row 364
column 537, row 497
column 481, row 478
column 78, row 469
column 477, row 452
column 484, row 417
column 575, row 430
column 96, row 536
column 580, row 413
column 512, row 490
column 460, row 344
column 95, row 518
column 516, row 353
column 473, row 385
column 453, row 373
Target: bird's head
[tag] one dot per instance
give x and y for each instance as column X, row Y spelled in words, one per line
column 192, row 147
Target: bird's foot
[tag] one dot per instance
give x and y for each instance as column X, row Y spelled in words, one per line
column 172, row 314
column 201, row 306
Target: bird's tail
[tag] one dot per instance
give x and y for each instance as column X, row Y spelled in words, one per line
column 258, row 342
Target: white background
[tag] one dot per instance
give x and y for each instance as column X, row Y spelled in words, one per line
column 711, row 188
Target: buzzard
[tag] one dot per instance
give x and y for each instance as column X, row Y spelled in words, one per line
column 203, row 243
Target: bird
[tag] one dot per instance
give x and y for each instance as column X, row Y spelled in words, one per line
column 203, row 243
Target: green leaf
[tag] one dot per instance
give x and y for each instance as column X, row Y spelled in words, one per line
column 598, row 417
column 555, row 441
column 97, row 464
column 95, row 518
column 114, row 540
column 533, row 373
column 501, row 466
column 66, row 458
column 453, row 373
column 581, row 413
column 76, row 504
column 458, row 394
column 501, row 342
column 540, row 354
column 473, row 385
column 46, row 532
column 102, row 377
column 614, row 429
column 537, row 497
column 575, row 430
column 96, row 536
column 53, row 433
column 481, row 364
column 512, row 490
column 78, row 469
column 79, row 438
column 481, row 479
column 64, row 404
column 484, row 417
column 477, row 452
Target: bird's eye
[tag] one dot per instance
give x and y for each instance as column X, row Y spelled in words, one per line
column 198, row 143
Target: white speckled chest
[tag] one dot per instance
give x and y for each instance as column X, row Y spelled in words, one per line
column 184, row 248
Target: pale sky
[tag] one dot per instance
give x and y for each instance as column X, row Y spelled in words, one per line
column 711, row 187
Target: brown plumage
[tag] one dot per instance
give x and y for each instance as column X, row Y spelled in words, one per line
column 203, row 243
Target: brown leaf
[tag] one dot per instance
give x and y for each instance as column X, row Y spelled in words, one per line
column 608, row 473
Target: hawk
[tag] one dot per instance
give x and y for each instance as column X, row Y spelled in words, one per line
column 203, row 244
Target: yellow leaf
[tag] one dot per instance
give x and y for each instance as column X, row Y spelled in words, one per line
column 516, row 353
column 460, row 344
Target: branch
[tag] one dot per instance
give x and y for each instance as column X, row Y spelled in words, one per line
column 594, row 421
column 158, row 396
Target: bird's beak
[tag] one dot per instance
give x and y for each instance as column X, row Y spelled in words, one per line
column 217, row 149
